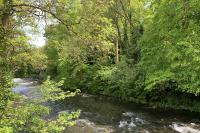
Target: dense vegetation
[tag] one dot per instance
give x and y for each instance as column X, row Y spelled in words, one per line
column 20, row 59
column 145, row 51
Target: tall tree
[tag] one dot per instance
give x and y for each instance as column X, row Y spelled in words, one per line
column 127, row 17
column 170, row 46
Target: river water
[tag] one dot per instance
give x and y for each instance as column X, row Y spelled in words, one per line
column 105, row 115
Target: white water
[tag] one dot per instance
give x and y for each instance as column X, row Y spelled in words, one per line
column 183, row 128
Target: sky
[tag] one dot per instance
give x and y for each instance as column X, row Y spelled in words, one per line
column 37, row 39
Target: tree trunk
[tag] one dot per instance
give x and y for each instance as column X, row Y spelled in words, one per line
column 117, row 52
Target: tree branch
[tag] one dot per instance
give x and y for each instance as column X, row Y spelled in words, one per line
column 43, row 9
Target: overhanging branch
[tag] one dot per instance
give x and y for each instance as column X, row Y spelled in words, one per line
column 43, row 9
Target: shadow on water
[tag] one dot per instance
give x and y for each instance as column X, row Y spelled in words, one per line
column 104, row 115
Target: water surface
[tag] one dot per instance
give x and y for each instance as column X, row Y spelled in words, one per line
column 105, row 115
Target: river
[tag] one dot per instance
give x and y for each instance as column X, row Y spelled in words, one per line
column 105, row 115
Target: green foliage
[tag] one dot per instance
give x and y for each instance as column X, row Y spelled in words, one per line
column 157, row 43
column 158, row 48
column 5, row 87
column 121, row 81
column 51, row 90
column 26, row 115
column 72, row 57
column 169, row 47
column 29, row 62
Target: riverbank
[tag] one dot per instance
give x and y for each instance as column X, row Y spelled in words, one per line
column 162, row 100
column 166, row 100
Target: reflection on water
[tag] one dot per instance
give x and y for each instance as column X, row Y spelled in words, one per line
column 105, row 115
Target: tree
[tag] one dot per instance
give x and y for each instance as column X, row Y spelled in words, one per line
column 26, row 115
column 93, row 42
column 128, row 16
column 170, row 46
column 17, row 54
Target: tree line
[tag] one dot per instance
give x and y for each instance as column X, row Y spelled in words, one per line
column 135, row 50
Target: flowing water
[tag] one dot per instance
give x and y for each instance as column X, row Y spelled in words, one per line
column 105, row 115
